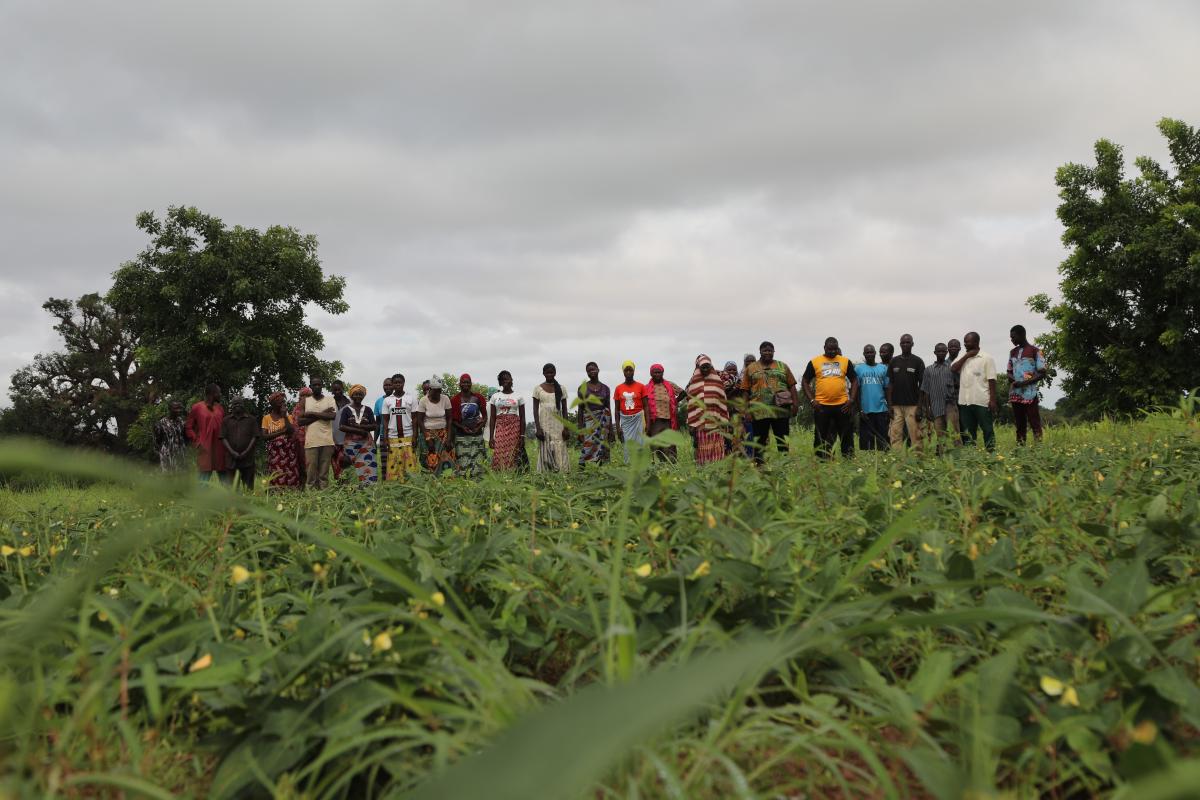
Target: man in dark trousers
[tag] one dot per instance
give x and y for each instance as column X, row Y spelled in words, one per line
column 1026, row 369
column 239, row 434
column 831, row 386
column 905, row 372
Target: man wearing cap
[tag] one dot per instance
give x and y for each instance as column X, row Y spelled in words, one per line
column 628, row 404
column 661, row 401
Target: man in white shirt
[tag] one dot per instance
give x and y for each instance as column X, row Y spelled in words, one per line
column 317, row 419
column 395, row 444
column 976, row 392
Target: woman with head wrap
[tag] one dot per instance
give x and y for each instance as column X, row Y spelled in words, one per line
column 593, row 418
column 278, row 432
column 662, row 400
column 549, row 409
column 433, row 436
column 468, row 412
column 628, row 399
column 357, row 422
column 708, row 410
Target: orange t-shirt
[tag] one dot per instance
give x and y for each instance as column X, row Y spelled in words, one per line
column 629, row 397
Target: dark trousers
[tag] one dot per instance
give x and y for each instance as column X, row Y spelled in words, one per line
column 662, row 453
column 763, row 428
column 242, row 471
column 873, row 431
column 832, row 422
column 1027, row 415
column 975, row 419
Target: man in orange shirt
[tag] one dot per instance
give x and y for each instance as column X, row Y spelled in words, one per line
column 628, row 402
column 831, row 386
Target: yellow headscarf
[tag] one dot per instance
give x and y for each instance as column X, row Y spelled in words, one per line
column 628, row 363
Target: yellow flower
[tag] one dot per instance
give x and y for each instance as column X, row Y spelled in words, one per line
column 279, row 506
column 655, row 530
column 239, row 634
column 1100, row 477
column 496, row 508
column 381, row 642
column 711, row 520
column 239, row 574
column 1070, row 698
column 1052, row 686
column 331, row 554
column 26, row 551
column 897, row 484
column 319, row 570
column 537, row 551
column 701, row 570
column 973, row 551
column 574, row 526
column 203, row 662
column 7, row 550
column 1145, row 732
column 438, row 599
column 642, row 571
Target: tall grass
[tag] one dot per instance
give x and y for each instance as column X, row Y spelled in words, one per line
column 890, row 626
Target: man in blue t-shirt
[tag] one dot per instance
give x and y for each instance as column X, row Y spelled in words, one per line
column 873, row 419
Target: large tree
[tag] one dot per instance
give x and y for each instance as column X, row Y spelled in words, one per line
column 1127, row 330
column 213, row 303
column 92, row 390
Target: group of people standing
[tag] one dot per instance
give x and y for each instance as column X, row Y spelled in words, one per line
column 898, row 399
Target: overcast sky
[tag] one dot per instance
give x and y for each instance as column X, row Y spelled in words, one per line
column 505, row 184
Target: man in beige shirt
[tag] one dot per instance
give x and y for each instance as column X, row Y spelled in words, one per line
column 317, row 420
column 976, row 392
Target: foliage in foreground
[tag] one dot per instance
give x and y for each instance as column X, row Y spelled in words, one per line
column 891, row 626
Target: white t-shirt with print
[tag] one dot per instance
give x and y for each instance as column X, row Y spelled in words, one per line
column 398, row 408
column 506, row 405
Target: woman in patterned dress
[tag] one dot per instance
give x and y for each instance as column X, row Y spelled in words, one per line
column 170, row 440
column 594, row 418
column 432, row 431
column 358, row 422
column 708, row 411
column 506, row 426
column 279, row 434
column 549, row 409
column 469, row 413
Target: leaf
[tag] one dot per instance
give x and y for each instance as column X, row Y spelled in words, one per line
column 1125, row 590
column 932, row 677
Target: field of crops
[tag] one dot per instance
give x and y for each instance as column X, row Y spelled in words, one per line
column 1019, row 624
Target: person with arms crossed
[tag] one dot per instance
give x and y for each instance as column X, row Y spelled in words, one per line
column 317, row 421
column 976, row 392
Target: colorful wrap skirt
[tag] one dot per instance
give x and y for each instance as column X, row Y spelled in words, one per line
column 400, row 460
column 508, row 442
column 710, row 446
column 595, row 438
column 633, row 430
column 437, row 454
column 470, row 455
column 282, row 464
column 360, row 454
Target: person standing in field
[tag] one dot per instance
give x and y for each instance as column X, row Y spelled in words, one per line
column 1026, row 369
column 872, row 398
column 593, row 418
column 203, row 430
column 277, row 430
column 708, row 410
column 549, row 410
column 299, row 431
column 377, row 409
column 170, row 441
column 434, row 437
column 661, row 403
column 905, row 372
column 239, row 435
column 357, row 422
column 468, row 412
column 953, row 425
column 396, row 446
column 886, row 351
column 976, row 391
column 506, row 434
column 338, row 390
column 317, row 420
column 743, row 398
column 936, row 387
column 831, row 385
column 771, row 389
column 628, row 402
column 733, row 398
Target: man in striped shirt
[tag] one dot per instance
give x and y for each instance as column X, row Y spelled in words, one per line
column 937, row 384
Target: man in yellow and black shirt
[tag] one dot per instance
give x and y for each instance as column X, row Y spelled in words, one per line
column 832, row 387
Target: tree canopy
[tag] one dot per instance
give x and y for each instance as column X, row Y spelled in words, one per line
column 1127, row 329
column 213, row 303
